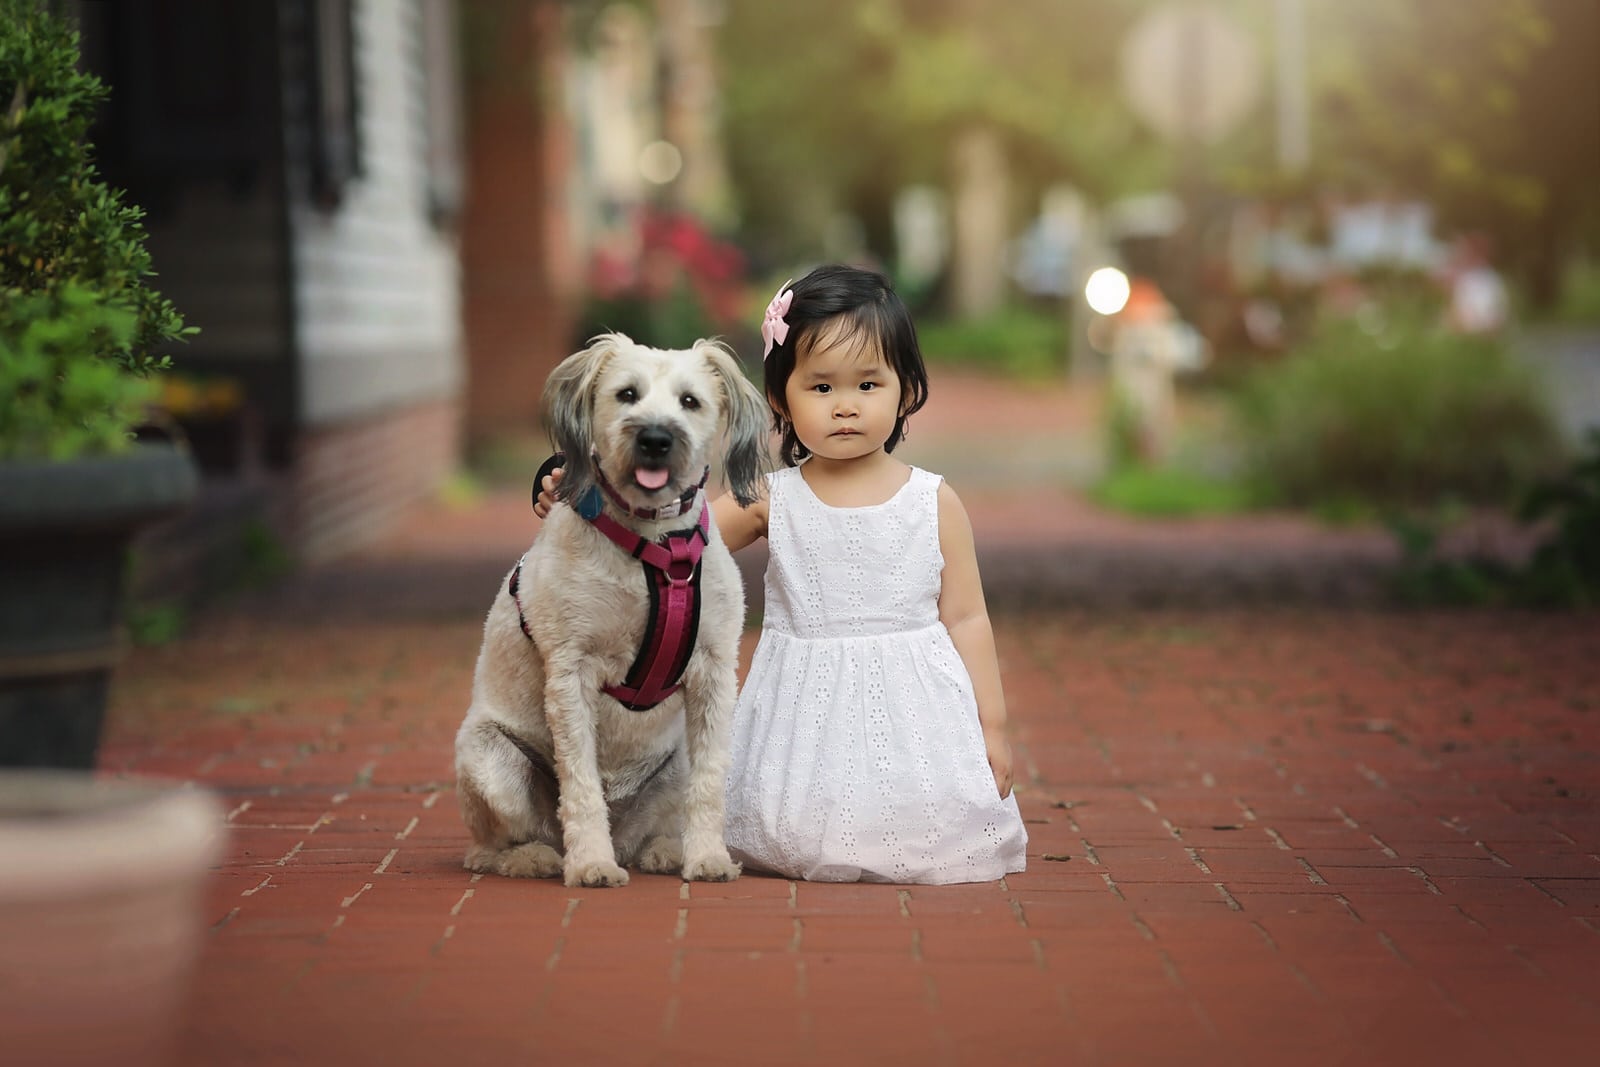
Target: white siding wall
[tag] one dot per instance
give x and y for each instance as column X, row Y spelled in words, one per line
column 377, row 287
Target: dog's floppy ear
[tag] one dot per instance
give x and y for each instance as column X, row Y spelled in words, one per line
column 569, row 412
column 744, row 414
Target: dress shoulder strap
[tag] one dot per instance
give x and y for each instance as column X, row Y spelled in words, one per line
column 777, row 480
column 778, row 494
column 924, row 494
column 926, row 482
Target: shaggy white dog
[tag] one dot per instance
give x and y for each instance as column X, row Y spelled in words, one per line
column 553, row 775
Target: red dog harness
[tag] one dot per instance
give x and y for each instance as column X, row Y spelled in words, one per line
column 672, row 575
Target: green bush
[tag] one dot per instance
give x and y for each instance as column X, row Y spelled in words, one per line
column 1017, row 342
column 1393, row 410
column 1565, row 569
column 1563, row 572
column 1170, row 492
column 76, row 316
column 60, row 404
column 1580, row 293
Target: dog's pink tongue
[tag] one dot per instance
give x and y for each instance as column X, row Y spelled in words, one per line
column 650, row 479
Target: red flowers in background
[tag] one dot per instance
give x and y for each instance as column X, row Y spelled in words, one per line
column 664, row 253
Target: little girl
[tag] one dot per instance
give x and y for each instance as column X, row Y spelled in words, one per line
column 869, row 738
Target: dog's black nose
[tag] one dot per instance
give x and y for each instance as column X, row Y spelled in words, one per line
column 653, row 442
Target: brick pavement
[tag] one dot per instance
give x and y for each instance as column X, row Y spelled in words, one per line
column 1259, row 835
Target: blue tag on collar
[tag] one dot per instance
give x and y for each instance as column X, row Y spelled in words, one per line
column 591, row 504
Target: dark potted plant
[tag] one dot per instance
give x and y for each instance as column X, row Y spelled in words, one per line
column 79, row 336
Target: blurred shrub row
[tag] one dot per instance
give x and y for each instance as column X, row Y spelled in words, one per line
column 1019, row 342
column 1387, row 413
column 1388, row 409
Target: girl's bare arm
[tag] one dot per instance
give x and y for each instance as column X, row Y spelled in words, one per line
column 739, row 526
column 966, row 616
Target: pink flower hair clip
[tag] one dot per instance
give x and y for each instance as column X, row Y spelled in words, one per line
column 774, row 331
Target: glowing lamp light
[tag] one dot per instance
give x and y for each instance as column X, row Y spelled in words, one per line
column 1107, row 290
column 660, row 162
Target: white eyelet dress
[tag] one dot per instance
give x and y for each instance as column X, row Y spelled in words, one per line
column 857, row 752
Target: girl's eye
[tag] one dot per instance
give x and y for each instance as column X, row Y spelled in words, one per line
column 690, row 402
column 867, row 387
column 824, row 387
column 627, row 395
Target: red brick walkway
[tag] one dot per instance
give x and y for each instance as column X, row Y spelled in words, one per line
column 1255, row 838
column 1258, row 836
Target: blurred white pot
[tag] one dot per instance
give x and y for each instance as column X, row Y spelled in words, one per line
column 100, row 922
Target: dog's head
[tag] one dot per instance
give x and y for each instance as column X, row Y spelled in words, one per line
column 652, row 417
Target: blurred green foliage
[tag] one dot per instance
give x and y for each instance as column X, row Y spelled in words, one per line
column 1172, row 487
column 263, row 557
column 1170, row 492
column 1487, row 109
column 1563, row 571
column 155, row 623
column 1391, row 409
column 79, row 326
column 1120, row 433
column 62, row 400
column 1018, row 342
column 1579, row 303
column 838, row 104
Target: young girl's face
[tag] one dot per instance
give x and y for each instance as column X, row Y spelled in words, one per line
column 843, row 398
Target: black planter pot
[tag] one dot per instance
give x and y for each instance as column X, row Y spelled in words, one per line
column 65, row 529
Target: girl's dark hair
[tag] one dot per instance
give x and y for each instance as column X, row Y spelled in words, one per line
column 845, row 304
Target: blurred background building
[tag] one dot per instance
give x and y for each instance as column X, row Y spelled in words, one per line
column 300, row 164
column 385, row 217
column 391, row 218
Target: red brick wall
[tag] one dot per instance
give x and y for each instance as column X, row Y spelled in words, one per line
column 352, row 482
column 519, row 280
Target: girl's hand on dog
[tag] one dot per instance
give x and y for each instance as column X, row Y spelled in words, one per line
column 547, row 493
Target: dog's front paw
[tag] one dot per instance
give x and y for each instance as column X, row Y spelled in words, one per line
column 661, row 855
column 531, row 860
column 595, row 874
column 713, row 868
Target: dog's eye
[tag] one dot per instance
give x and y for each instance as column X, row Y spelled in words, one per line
column 690, row 402
column 627, row 395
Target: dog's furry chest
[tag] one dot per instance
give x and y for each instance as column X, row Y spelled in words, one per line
column 604, row 594
column 586, row 604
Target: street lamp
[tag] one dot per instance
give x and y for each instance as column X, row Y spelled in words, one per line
column 1106, row 291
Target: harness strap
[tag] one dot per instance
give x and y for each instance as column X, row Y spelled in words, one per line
column 546, row 770
column 512, row 587
column 672, row 577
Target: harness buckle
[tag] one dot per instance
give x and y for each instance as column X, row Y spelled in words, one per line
column 681, row 567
